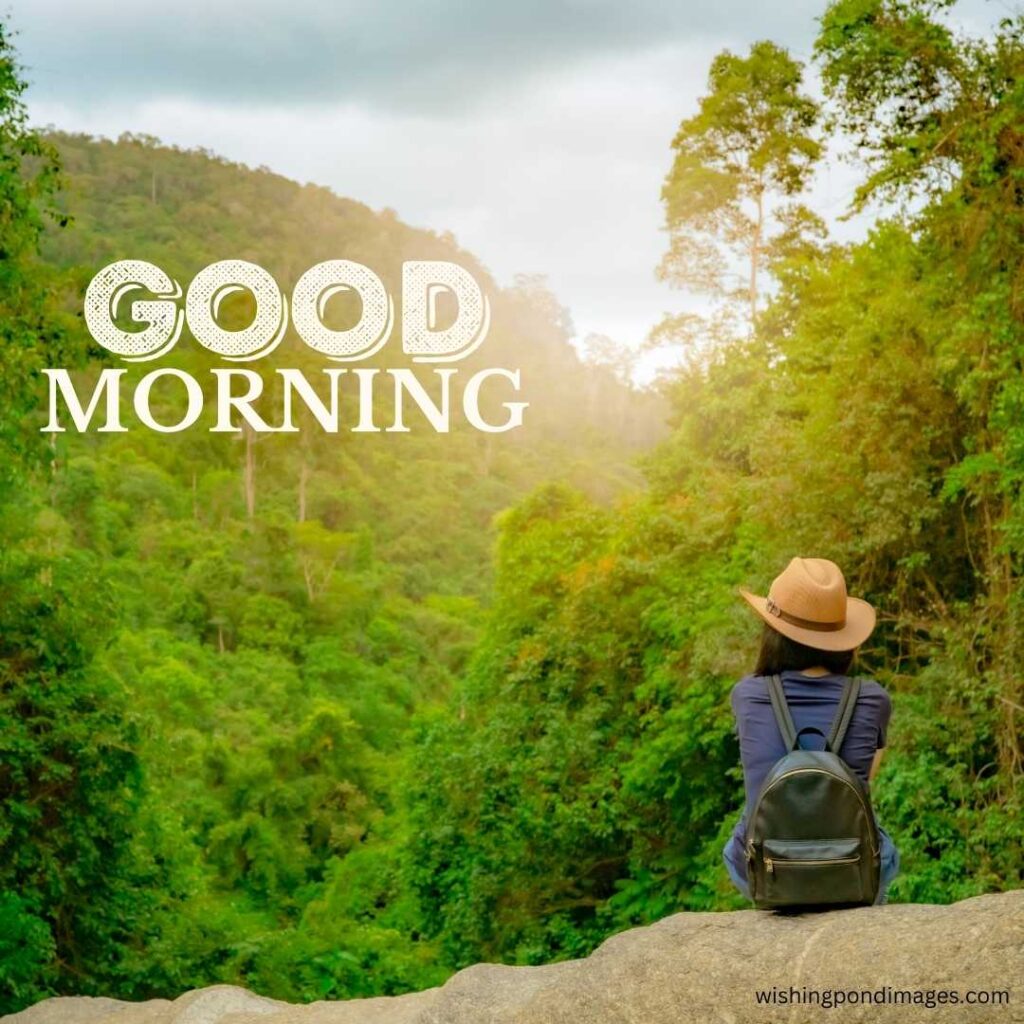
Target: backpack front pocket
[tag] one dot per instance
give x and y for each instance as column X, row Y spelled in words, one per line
column 812, row 871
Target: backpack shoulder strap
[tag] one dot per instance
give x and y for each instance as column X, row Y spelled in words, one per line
column 847, row 702
column 782, row 716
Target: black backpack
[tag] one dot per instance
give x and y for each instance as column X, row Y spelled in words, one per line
column 811, row 835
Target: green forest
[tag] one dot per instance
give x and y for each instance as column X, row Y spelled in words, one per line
column 334, row 716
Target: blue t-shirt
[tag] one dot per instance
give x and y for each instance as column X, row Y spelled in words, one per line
column 813, row 701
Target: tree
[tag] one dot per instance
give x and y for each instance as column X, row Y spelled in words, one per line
column 29, row 324
column 750, row 145
column 69, row 773
column 939, row 121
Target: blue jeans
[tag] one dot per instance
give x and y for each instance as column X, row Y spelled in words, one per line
column 736, row 865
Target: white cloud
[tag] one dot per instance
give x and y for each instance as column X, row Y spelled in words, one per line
column 561, row 178
column 557, row 172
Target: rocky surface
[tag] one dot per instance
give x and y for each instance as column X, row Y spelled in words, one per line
column 699, row 968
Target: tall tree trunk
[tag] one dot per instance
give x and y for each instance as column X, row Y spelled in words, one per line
column 53, row 469
column 250, row 471
column 303, row 478
column 755, row 251
column 307, row 575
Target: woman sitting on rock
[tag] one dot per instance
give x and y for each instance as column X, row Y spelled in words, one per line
column 810, row 635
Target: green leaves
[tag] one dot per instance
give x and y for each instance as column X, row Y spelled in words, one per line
column 350, row 741
column 26, row 954
column 894, row 71
column 751, row 144
column 590, row 780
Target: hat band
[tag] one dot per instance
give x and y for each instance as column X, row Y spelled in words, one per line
column 794, row 620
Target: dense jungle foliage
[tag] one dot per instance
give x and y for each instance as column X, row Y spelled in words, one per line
column 331, row 716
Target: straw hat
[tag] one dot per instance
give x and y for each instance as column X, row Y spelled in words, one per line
column 807, row 602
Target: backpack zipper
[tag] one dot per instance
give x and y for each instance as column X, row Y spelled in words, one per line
column 770, row 862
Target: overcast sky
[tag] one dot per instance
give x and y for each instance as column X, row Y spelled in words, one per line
column 537, row 131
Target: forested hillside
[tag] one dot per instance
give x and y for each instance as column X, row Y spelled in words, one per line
column 336, row 715
column 261, row 617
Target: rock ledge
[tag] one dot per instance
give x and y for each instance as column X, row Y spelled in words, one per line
column 686, row 969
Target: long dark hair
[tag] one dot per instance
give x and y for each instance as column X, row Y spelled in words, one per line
column 779, row 653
